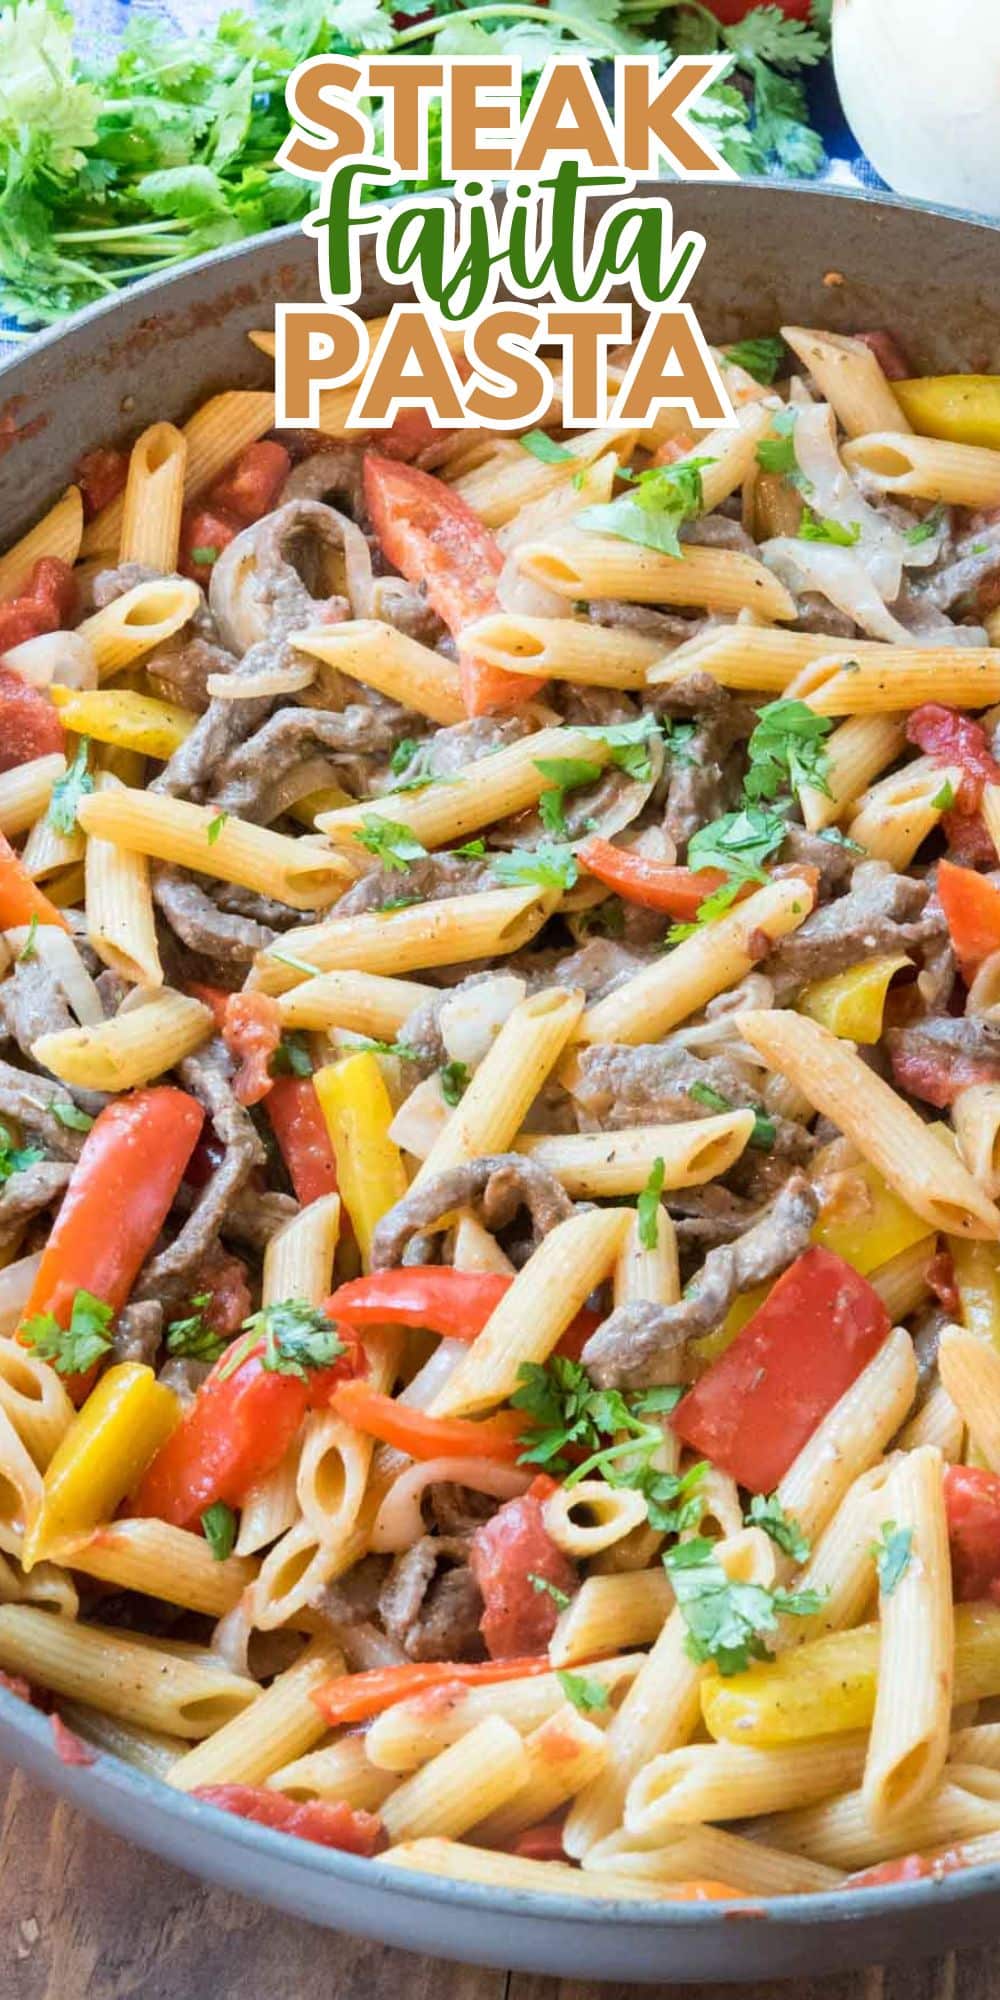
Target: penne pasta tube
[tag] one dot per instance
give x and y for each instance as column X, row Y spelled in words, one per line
column 676, row 985
column 217, row 844
column 627, row 1608
column 576, row 564
column 58, row 533
column 563, row 649
column 706, row 1781
column 839, row 1568
column 121, row 921
column 31, row 1393
column 16, row 1282
column 911, row 1156
column 462, row 1785
column 298, row 1261
column 407, row 1734
column 660, row 1709
column 270, row 1506
column 840, row 1832
column 153, row 499
column 146, row 1749
column 368, row 1003
column 381, row 657
column 507, row 1081
column 564, row 1753
column 846, row 682
column 893, row 819
column 493, row 787
column 975, row 1115
column 340, row 1772
column 856, row 752
column 213, row 436
column 131, row 625
column 852, row 1436
column 485, row 924
column 757, row 657
column 606, row 1513
column 901, row 1283
column 159, row 1560
column 285, row 1724
column 534, row 1313
column 649, row 1271
column 596, row 1164
column 909, row 1734
column 460, row 1862
column 926, row 468
column 499, row 489
column 26, row 790
column 937, row 1422
column 970, row 1373
column 707, row 1854
column 133, row 1680
column 132, row 1048
column 22, row 1492
column 848, row 375
column 990, row 809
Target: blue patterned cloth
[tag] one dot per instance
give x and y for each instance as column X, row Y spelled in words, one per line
column 101, row 24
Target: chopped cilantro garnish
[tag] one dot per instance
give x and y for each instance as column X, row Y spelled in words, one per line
column 565, row 774
column 647, row 1206
column 391, row 842
column 812, row 529
column 214, row 828
column 403, row 1051
column 16, row 1159
column 291, row 1057
column 925, row 530
column 892, row 1554
column 552, row 865
column 205, row 554
column 761, row 357
column 767, row 1512
column 739, row 843
column 545, row 448
column 68, row 790
column 583, row 1691
column 612, row 1429
column 219, row 1528
column 777, row 453
column 193, row 1338
column 74, row 1349
column 657, row 504
column 725, row 1619
column 786, row 750
column 944, row 799
column 71, row 1116
column 28, row 949
column 471, row 849
column 454, row 1080
column 543, row 1588
column 296, row 1337
column 713, row 1100
column 404, row 753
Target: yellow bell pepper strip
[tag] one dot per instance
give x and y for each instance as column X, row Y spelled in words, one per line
column 102, row 1457
column 852, row 1003
column 828, row 1685
column 977, row 1276
column 127, row 720
column 963, row 408
column 358, row 1112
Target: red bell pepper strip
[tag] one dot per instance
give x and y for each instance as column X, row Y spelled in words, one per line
column 357, row 1697
column 20, row 898
column 433, row 537
column 755, row 1408
column 971, row 906
column 906, row 1868
column 455, row 1304
column 655, row 885
column 972, row 1506
column 300, row 1128
column 423, row 1436
column 118, row 1198
column 949, row 737
column 329, row 1822
column 236, row 1431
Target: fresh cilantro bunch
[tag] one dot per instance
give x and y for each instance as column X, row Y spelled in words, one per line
column 767, row 129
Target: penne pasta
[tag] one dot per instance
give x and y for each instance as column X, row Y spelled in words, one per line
column 132, row 1048
column 153, row 499
column 131, row 1680
column 381, row 657
column 927, row 468
column 480, row 925
column 593, row 1164
column 218, row 844
column 575, row 564
column 563, row 649
column 909, row 1735
column 58, row 533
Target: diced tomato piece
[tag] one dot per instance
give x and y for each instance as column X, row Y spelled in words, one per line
column 940, row 1275
column 506, row 1552
column 47, row 602
column 224, row 1277
column 949, row 737
column 205, row 532
column 411, row 434
column 328, row 1822
column 884, row 346
column 251, row 1032
column 906, row 1868
column 16, row 1684
column 300, row 1128
column 101, row 475
column 938, row 1075
column 249, row 488
column 970, row 842
column 69, row 1747
column 29, row 724
column 541, row 1843
column 755, row 1408
column 971, row 906
column 972, row 1504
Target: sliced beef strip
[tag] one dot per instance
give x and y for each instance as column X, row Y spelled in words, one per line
column 353, row 1598
column 974, row 557
column 816, row 614
column 184, row 1376
column 32, row 1003
column 718, row 531
column 223, row 726
column 449, row 751
column 882, row 912
column 258, row 909
column 110, row 584
column 432, row 1611
column 935, row 1058
column 213, row 933
column 138, row 1332
column 29, row 1098
column 334, row 475
column 598, row 967
column 293, row 753
column 27, row 1193
column 834, row 862
column 253, row 1218
column 457, row 1510
column 642, row 618
column 168, row 1275
column 644, row 1344
column 435, row 880
column 495, row 1187
column 707, row 1216
column 651, row 1084
column 404, row 605
column 179, row 669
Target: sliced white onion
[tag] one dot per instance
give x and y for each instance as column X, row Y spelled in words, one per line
column 231, row 1638
column 16, row 1281
column 56, row 950
column 471, row 1021
column 421, row 1118
column 298, row 674
column 66, row 658
column 365, row 1647
column 420, row 1393
column 835, row 497
column 399, row 1522
column 839, row 575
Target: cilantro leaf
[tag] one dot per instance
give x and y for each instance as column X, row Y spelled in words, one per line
column 552, row 865
column 738, row 843
column 787, row 750
column 214, row 827
column 404, row 753
column 291, row 1057
column 29, row 949
column 583, row 1691
column 566, row 774
column 471, row 849
column 391, row 842
column 74, row 1349
column 812, row 529
column 541, row 446
column 944, row 799
column 713, row 1100
column 219, row 1528
column 543, row 1588
column 777, row 453
column 767, row 1512
column 71, row 1116
column 16, row 1159
column 925, row 530
column 292, row 1338
column 764, row 1132
column 454, row 1079
column 762, row 357
column 403, row 1051
column 192, row 1337
column 68, row 790
column 892, row 1554
column 726, row 1619
column 647, row 1206
column 657, row 504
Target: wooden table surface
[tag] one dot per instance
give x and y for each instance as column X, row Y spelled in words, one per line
column 85, row 1917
